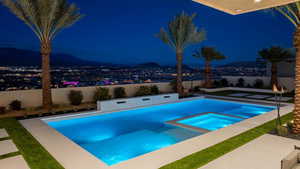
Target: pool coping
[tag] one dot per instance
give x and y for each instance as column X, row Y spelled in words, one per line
column 61, row 148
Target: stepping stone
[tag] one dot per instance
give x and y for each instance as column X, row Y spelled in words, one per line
column 3, row 133
column 6, row 147
column 258, row 96
column 239, row 94
column 284, row 99
column 16, row 162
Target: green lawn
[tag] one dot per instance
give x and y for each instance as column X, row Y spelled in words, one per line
column 35, row 155
column 203, row 157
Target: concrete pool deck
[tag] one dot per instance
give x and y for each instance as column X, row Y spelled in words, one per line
column 16, row 162
column 7, row 146
column 265, row 152
column 72, row 156
column 3, row 133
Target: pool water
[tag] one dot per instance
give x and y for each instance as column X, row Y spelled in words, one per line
column 210, row 121
column 120, row 136
column 245, row 111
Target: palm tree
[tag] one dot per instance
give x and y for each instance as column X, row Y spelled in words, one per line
column 209, row 54
column 274, row 55
column 292, row 13
column 181, row 33
column 46, row 18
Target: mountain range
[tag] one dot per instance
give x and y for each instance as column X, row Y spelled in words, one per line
column 245, row 64
column 23, row 57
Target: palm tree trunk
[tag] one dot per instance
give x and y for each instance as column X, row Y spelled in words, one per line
column 179, row 58
column 274, row 80
column 296, row 113
column 207, row 72
column 46, row 77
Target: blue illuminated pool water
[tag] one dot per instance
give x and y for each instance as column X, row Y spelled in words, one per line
column 210, row 121
column 119, row 136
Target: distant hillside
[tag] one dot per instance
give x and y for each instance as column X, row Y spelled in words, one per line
column 151, row 65
column 23, row 57
column 148, row 65
column 247, row 64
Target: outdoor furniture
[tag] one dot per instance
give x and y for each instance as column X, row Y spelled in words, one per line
column 292, row 160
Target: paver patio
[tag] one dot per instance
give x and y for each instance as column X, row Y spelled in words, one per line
column 3, row 133
column 285, row 99
column 7, row 146
column 265, row 152
column 16, row 162
column 258, row 96
column 239, row 94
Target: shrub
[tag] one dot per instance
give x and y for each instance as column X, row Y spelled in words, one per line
column 241, row 82
column 249, row 86
column 224, row 83
column 101, row 94
column 289, row 125
column 291, row 93
column 119, row 92
column 258, row 83
column 2, row 110
column 216, row 83
column 75, row 97
column 282, row 131
column 197, row 89
column 154, row 90
column 15, row 105
column 173, row 85
column 143, row 91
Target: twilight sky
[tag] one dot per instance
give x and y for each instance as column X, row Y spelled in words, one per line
column 122, row 31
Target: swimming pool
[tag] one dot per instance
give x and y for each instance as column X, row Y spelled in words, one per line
column 119, row 136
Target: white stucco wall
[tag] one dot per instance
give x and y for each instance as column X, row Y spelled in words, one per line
column 33, row 98
column 287, row 82
column 284, row 69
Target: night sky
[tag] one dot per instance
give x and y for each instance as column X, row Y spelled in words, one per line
column 123, row 32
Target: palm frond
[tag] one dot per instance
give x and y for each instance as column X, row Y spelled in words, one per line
column 67, row 18
column 45, row 17
column 209, row 54
column 182, row 32
column 17, row 10
column 291, row 12
column 164, row 36
column 275, row 54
